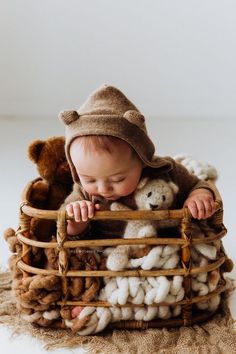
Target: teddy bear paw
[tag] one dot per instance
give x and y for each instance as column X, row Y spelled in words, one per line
column 118, row 259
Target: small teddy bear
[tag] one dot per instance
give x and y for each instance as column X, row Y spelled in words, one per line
column 151, row 194
column 55, row 184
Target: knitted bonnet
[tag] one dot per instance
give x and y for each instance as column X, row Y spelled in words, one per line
column 107, row 111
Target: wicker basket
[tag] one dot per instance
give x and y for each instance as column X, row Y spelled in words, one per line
column 189, row 314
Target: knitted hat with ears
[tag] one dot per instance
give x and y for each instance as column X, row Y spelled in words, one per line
column 107, row 111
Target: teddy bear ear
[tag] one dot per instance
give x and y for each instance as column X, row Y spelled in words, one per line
column 142, row 182
column 135, row 117
column 67, row 117
column 35, row 149
column 174, row 187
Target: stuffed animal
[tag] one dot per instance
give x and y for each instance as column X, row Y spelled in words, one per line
column 55, row 184
column 151, row 194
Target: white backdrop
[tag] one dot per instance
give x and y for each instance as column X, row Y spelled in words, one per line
column 173, row 58
column 176, row 60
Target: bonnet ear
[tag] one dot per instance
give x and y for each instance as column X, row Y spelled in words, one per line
column 67, row 117
column 34, row 150
column 136, row 118
column 173, row 187
column 142, row 183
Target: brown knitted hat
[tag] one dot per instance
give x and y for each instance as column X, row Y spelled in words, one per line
column 107, row 111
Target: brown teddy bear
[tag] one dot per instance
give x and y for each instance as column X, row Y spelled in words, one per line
column 34, row 294
column 55, row 184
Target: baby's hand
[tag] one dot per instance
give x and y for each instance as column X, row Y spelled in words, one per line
column 200, row 203
column 81, row 210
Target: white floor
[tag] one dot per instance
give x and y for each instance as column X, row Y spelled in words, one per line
column 212, row 141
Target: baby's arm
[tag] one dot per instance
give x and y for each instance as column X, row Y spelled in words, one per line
column 200, row 202
column 195, row 194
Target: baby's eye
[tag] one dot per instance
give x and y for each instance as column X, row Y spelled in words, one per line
column 119, row 180
column 163, row 198
column 149, row 194
column 91, row 181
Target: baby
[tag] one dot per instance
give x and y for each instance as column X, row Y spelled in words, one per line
column 109, row 150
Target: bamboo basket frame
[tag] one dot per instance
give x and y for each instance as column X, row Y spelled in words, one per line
column 185, row 241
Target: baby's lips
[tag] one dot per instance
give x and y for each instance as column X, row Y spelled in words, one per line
column 96, row 199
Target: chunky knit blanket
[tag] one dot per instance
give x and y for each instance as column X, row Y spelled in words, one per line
column 216, row 336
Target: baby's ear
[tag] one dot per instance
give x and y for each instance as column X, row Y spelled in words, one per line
column 67, row 117
column 135, row 117
column 34, row 150
column 173, row 187
column 142, row 182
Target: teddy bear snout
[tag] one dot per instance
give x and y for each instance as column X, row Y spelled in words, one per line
column 153, row 206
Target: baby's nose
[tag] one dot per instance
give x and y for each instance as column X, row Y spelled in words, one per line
column 104, row 188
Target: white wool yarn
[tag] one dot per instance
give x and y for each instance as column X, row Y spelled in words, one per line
column 209, row 251
column 165, row 257
column 210, row 305
column 121, row 290
column 99, row 319
column 202, row 170
column 207, row 283
column 51, row 315
column 148, row 291
column 33, row 317
column 48, row 315
column 142, row 290
column 203, row 249
column 102, row 316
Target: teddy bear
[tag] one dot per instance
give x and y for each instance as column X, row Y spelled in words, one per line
column 55, row 183
column 151, row 194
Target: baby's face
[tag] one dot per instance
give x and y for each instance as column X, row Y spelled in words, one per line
column 109, row 175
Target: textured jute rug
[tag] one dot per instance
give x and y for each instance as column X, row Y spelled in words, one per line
column 214, row 337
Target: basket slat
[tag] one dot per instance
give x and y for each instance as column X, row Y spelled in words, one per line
column 127, row 273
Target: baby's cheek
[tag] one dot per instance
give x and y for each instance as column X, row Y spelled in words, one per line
column 125, row 190
column 89, row 189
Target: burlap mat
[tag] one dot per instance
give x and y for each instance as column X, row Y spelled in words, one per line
column 214, row 337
